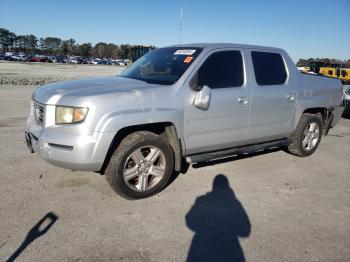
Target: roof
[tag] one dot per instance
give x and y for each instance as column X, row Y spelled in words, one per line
column 225, row 45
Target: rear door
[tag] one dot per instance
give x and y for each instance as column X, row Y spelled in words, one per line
column 225, row 122
column 273, row 97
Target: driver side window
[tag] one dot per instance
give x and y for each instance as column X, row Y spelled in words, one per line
column 221, row 70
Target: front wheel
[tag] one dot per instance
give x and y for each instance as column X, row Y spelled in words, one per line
column 307, row 136
column 140, row 166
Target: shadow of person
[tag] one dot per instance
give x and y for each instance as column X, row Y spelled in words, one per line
column 35, row 232
column 218, row 220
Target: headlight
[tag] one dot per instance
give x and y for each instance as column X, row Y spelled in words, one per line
column 70, row 115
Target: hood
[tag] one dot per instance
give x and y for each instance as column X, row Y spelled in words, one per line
column 50, row 93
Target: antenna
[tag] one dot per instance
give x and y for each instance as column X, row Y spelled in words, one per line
column 180, row 26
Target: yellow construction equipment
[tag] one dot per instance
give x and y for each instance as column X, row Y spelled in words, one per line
column 345, row 75
column 331, row 70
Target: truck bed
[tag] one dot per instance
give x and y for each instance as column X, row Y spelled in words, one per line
column 320, row 86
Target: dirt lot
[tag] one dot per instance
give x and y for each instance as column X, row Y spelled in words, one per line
column 275, row 207
column 13, row 73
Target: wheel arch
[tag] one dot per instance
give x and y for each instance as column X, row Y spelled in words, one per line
column 311, row 109
column 167, row 130
column 317, row 110
column 325, row 112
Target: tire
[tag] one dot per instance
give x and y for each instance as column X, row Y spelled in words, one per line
column 140, row 166
column 304, row 140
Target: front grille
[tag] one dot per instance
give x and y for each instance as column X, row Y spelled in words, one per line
column 38, row 112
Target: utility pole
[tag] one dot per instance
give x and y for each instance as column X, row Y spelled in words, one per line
column 180, row 26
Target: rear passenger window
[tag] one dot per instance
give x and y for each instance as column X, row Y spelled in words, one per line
column 222, row 69
column 269, row 68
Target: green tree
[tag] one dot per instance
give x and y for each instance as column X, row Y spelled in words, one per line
column 56, row 46
column 52, row 45
column 302, row 62
column 68, row 47
column 100, row 50
column 41, row 45
column 125, row 51
column 31, row 43
column 85, row 49
column 20, row 43
column 7, row 39
column 112, row 51
column 26, row 43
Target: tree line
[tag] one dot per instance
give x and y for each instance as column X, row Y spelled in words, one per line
column 30, row 44
column 306, row 62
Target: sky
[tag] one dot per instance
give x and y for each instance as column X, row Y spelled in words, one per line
column 304, row 28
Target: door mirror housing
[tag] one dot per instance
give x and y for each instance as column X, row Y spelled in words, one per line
column 194, row 83
column 202, row 98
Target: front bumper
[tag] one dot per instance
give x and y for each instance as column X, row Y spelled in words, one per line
column 73, row 147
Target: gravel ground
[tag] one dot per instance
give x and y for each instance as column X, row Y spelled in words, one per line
column 266, row 207
column 14, row 73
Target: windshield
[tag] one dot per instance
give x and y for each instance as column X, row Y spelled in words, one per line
column 162, row 66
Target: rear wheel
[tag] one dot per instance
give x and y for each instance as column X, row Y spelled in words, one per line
column 141, row 165
column 307, row 136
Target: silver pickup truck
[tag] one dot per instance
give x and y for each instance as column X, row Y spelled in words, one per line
column 196, row 102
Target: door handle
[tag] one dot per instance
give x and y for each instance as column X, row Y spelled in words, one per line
column 242, row 100
column 290, row 97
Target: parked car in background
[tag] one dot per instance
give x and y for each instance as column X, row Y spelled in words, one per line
column 73, row 60
column 95, row 61
column 21, row 57
column 197, row 102
column 84, row 60
column 45, row 59
column 122, row 63
column 8, row 54
column 103, row 61
column 62, row 59
column 53, row 59
column 34, row 59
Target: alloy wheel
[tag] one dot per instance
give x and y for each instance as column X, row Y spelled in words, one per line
column 144, row 168
column 311, row 136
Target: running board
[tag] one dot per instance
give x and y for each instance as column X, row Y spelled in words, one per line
column 208, row 156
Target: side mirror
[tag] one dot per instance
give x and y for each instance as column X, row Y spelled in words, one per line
column 194, row 83
column 202, row 98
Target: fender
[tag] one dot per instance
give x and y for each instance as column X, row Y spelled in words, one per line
column 113, row 122
column 117, row 121
column 305, row 103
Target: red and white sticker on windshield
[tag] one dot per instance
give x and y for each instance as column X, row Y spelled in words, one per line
column 185, row 52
